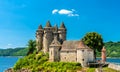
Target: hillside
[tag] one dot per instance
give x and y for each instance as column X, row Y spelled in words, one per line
column 13, row 52
column 113, row 49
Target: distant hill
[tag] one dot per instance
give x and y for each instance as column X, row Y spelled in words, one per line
column 113, row 49
column 13, row 52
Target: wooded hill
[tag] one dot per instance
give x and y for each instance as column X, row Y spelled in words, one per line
column 113, row 50
column 13, row 52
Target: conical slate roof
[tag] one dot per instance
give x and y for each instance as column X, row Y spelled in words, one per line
column 55, row 42
column 40, row 27
column 62, row 25
column 82, row 45
column 48, row 24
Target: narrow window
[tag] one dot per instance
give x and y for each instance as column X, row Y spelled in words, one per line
column 82, row 50
column 82, row 59
column 51, row 52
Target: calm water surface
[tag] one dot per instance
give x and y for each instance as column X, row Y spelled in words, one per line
column 112, row 60
column 7, row 62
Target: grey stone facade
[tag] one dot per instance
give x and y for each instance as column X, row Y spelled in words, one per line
column 44, row 36
column 52, row 40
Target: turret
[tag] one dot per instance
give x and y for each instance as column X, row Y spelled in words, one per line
column 84, row 54
column 103, row 54
column 54, row 51
column 48, row 36
column 62, row 32
column 39, row 38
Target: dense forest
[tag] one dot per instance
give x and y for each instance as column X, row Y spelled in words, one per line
column 113, row 50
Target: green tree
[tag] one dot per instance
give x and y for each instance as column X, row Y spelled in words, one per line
column 94, row 41
column 31, row 46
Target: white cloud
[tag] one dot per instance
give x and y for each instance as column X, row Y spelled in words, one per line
column 65, row 12
column 54, row 11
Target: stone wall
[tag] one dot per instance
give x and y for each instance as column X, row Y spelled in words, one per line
column 84, row 56
column 90, row 56
column 68, row 56
column 51, row 54
column 114, row 66
column 47, row 39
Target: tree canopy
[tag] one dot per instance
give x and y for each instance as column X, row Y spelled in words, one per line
column 94, row 41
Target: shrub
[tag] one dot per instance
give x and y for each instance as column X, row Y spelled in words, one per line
column 39, row 62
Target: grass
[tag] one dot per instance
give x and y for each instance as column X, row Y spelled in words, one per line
column 39, row 62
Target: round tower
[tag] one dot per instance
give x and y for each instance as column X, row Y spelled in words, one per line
column 62, row 32
column 103, row 54
column 48, row 37
column 39, row 38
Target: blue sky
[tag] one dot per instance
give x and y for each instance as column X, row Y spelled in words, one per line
column 19, row 19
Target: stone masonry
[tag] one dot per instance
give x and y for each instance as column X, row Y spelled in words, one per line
column 52, row 40
column 44, row 36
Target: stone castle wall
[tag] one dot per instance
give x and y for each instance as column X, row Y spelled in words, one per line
column 53, row 40
column 44, row 36
column 68, row 56
column 47, row 39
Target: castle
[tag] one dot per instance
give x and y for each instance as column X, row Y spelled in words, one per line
column 52, row 40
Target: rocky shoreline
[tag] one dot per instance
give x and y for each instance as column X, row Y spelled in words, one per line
column 21, row 70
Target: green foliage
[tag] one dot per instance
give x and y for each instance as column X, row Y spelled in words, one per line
column 13, row 52
column 61, row 66
column 39, row 62
column 31, row 46
column 94, row 41
column 113, row 49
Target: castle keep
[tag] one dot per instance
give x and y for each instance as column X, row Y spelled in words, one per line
column 52, row 40
column 44, row 36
